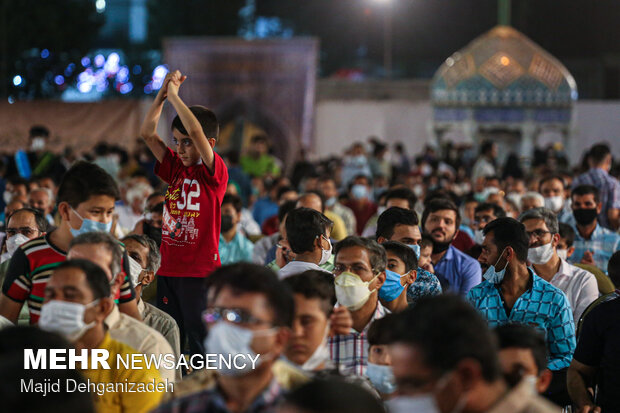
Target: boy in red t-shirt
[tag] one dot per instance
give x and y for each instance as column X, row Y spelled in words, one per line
column 197, row 179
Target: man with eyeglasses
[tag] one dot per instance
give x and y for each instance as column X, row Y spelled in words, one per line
column 23, row 225
column 580, row 287
column 249, row 314
column 360, row 272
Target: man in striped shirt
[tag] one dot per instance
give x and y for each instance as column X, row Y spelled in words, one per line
column 86, row 199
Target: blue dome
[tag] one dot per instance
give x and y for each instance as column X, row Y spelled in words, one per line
column 503, row 68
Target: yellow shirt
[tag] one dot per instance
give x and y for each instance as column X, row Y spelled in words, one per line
column 128, row 398
column 339, row 231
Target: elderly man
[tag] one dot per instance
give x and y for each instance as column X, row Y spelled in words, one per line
column 146, row 260
column 531, row 200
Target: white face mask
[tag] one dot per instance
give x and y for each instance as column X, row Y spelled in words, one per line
column 228, row 339
column 320, row 355
column 37, row 144
column 7, row 197
column 135, row 269
column 65, row 318
column 325, row 254
column 554, row 203
column 540, row 255
column 14, row 242
column 351, row 291
column 492, row 275
column 562, row 254
column 478, row 236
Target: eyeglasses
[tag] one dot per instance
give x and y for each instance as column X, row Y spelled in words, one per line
column 354, row 268
column 27, row 231
column 232, row 315
column 537, row 233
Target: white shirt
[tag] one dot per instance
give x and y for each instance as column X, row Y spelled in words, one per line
column 579, row 285
column 297, row 267
column 127, row 219
column 141, row 337
column 482, row 168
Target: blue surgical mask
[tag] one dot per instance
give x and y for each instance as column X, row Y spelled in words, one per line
column 360, row 191
column 381, row 377
column 495, row 277
column 330, row 202
column 391, row 288
column 416, row 250
column 88, row 225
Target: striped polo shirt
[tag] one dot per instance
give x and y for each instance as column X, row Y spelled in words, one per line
column 32, row 265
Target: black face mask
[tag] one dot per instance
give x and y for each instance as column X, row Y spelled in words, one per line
column 227, row 223
column 585, row 216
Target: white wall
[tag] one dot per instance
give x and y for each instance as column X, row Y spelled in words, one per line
column 340, row 123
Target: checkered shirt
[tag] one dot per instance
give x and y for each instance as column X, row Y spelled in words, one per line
column 425, row 284
column 603, row 243
column 542, row 306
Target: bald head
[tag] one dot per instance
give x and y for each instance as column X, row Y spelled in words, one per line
column 310, row 200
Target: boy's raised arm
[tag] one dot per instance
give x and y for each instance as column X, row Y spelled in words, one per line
column 148, row 130
column 190, row 122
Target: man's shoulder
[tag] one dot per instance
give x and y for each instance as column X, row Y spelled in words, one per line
column 147, row 336
column 463, row 258
column 163, row 317
column 481, row 289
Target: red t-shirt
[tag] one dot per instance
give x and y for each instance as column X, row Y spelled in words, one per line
column 190, row 234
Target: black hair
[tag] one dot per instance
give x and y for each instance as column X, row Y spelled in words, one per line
column 524, row 337
column 303, row 226
column 206, row 118
column 284, row 189
column 95, row 276
column 567, row 233
column 582, row 190
column 552, row 178
column 83, row 181
column 16, row 180
column 315, row 284
column 439, row 204
column 381, row 330
column 486, row 147
column 598, row 153
column 333, row 395
column 13, row 343
column 376, row 252
column 508, row 232
column 498, row 211
column 39, row 219
column 39, row 130
column 234, row 200
column 404, row 252
column 613, row 268
column 154, row 195
column 447, row 329
column 259, row 138
column 251, row 278
column 402, row 193
column 157, row 208
column 285, row 208
column 426, row 241
column 394, row 216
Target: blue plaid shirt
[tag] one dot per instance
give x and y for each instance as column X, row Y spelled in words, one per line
column 542, row 306
column 603, row 243
column 425, row 284
column 609, row 190
column 213, row 401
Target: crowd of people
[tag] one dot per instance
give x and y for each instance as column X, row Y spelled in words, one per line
column 370, row 282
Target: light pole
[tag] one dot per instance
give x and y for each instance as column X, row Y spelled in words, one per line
column 387, row 36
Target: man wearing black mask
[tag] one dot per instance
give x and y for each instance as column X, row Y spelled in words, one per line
column 234, row 247
column 456, row 271
column 593, row 244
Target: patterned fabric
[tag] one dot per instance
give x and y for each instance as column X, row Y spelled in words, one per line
column 603, row 243
column 212, row 401
column 542, row 306
column 239, row 249
column 350, row 352
column 347, row 216
column 426, row 284
column 609, row 190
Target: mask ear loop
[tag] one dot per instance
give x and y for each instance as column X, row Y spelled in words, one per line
column 500, row 257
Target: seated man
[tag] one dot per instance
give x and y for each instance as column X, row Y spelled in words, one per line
column 457, row 271
column 483, row 214
column 42, row 199
column 531, row 200
column 565, row 246
column 360, row 272
column 594, row 243
column 307, row 233
column 399, row 224
column 397, row 197
column 513, row 293
column 523, row 356
column 105, row 251
column 315, row 298
column 144, row 265
column 77, row 301
column 327, row 186
column 444, row 359
column 234, row 246
column 249, row 313
column 580, row 286
column 379, row 361
column 315, row 200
